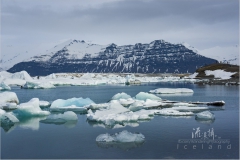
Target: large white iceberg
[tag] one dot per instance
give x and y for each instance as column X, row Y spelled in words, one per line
column 4, row 86
column 29, row 109
column 8, row 97
column 121, row 96
column 38, row 85
column 122, row 137
column 144, row 96
column 21, row 75
column 206, row 115
column 171, row 90
column 126, row 102
column 136, row 106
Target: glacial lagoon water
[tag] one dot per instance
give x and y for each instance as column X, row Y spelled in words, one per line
column 165, row 136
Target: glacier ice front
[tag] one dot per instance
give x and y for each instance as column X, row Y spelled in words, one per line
column 121, row 137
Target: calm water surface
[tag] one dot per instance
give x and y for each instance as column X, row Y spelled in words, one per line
column 32, row 139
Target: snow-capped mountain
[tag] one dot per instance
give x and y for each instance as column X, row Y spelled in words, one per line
column 78, row 56
column 228, row 54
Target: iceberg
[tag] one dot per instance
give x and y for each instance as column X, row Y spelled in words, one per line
column 4, row 86
column 98, row 106
column 144, row 96
column 61, row 118
column 121, row 96
column 29, row 109
column 206, row 115
column 153, row 103
column 171, row 90
column 38, row 85
column 184, row 104
column 21, row 75
column 8, row 97
column 121, row 137
column 186, row 108
column 171, row 112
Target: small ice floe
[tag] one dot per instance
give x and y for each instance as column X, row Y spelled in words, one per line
column 184, row 104
column 124, row 140
column 38, row 85
column 121, row 96
column 61, row 118
column 4, row 86
column 121, row 137
column 144, row 96
column 8, row 97
column 72, row 104
column 171, row 90
column 44, row 104
column 171, row 112
column 29, row 109
column 186, row 108
column 194, row 75
column 206, row 115
column 7, row 118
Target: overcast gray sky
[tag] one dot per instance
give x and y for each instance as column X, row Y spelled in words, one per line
column 44, row 23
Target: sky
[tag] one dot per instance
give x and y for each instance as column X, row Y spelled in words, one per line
column 36, row 25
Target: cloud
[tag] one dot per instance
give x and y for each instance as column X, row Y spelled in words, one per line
column 202, row 23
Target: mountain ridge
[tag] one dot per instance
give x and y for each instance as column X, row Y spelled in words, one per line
column 158, row 56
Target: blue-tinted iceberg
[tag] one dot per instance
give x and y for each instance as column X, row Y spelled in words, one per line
column 29, row 109
column 121, row 96
column 72, row 104
column 7, row 118
column 61, row 118
column 144, row 96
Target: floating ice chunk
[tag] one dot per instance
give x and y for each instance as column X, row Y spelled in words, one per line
column 4, row 86
column 205, row 115
column 126, row 102
column 184, row 104
column 144, row 96
column 8, row 97
column 61, row 118
column 69, row 108
column 44, row 104
column 7, row 118
column 120, row 96
column 136, row 106
column 171, row 112
column 171, row 90
column 38, row 85
column 220, row 74
column 78, row 102
column 122, row 137
column 30, row 108
column 153, row 103
column 8, row 106
column 185, row 108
